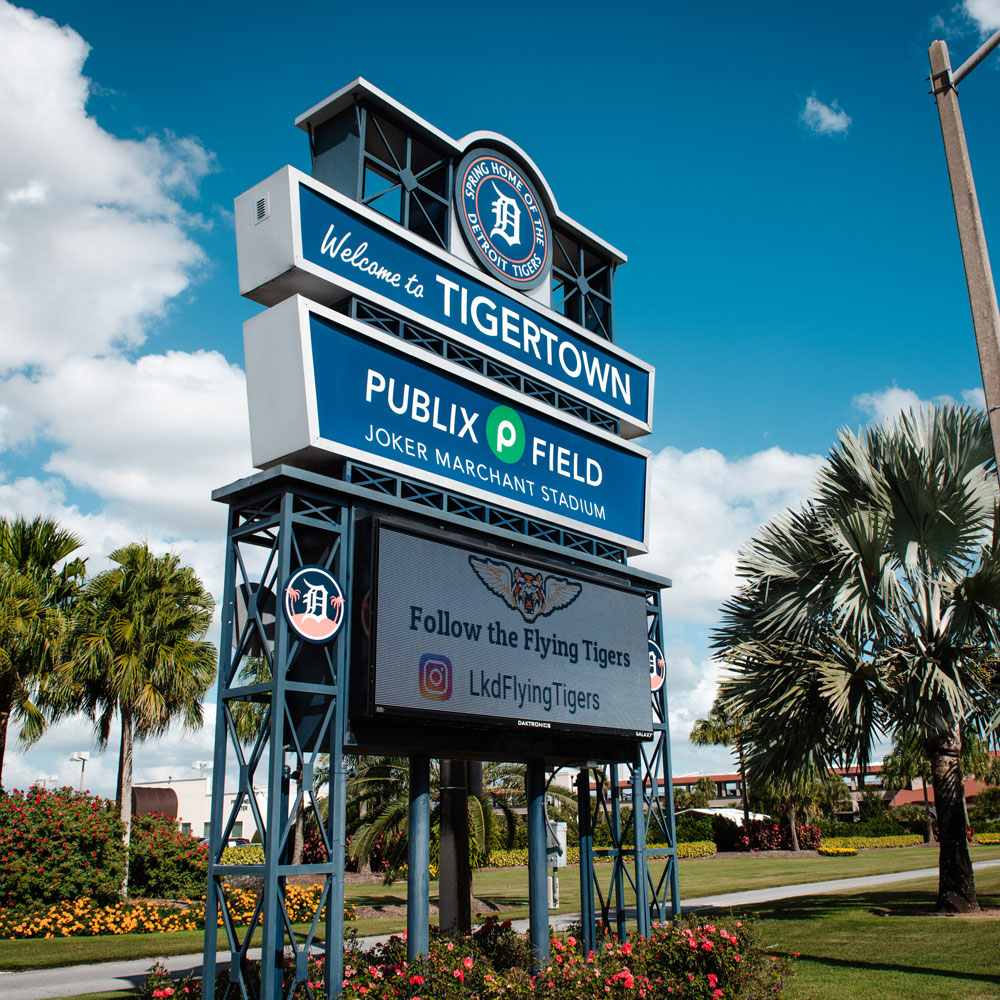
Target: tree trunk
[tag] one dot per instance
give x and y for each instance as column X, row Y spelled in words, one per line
column 743, row 788
column 299, row 842
column 791, row 825
column 956, row 882
column 123, row 795
column 929, row 836
column 6, row 706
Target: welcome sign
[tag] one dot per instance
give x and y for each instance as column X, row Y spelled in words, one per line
column 321, row 384
column 313, row 237
column 493, row 639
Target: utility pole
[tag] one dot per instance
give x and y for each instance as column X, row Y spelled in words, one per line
column 978, row 276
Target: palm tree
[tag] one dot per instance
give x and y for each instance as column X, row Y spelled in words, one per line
column 724, row 727
column 871, row 609
column 139, row 652
column 34, row 599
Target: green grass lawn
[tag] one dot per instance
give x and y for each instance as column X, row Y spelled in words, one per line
column 507, row 888
column 882, row 945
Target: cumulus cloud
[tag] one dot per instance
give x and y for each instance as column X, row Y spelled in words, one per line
column 92, row 236
column 177, row 429
column 984, row 13
column 825, row 119
column 704, row 507
column 887, row 403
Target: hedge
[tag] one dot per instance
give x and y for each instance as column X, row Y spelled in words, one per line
column 837, row 852
column 987, row 838
column 902, row 840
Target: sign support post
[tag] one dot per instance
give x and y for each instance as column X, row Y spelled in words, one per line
column 538, row 910
column 418, row 858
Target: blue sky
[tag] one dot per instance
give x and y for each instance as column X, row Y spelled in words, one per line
column 774, row 173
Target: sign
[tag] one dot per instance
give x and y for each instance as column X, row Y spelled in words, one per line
column 657, row 667
column 502, row 219
column 314, row 238
column 321, row 384
column 314, row 604
column 495, row 639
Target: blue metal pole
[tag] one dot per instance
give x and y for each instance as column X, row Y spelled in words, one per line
column 538, row 903
column 668, row 795
column 641, row 863
column 418, row 887
column 588, row 931
column 219, row 765
column 618, row 875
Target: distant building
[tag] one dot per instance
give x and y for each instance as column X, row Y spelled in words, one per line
column 189, row 800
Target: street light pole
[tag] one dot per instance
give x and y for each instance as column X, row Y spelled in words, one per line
column 978, row 276
column 82, row 756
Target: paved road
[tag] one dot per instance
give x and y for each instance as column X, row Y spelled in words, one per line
column 107, row 976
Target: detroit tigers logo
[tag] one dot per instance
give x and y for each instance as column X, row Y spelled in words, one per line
column 502, row 218
column 532, row 594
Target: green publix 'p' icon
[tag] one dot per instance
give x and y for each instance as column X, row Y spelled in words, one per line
column 505, row 434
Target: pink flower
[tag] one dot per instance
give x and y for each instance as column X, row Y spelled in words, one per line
column 467, row 962
column 713, row 980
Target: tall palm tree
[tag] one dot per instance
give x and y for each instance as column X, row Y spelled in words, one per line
column 34, row 600
column 725, row 727
column 140, row 653
column 872, row 608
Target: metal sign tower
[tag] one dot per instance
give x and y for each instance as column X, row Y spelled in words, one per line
column 433, row 561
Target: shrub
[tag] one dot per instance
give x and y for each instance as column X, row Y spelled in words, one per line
column 837, row 852
column 690, row 827
column 687, row 960
column 856, row 843
column 59, row 844
column 85, row 918
column 987, row 838
column 777, row 837
column 163, row 862
column 244, row 854
column 696, row 849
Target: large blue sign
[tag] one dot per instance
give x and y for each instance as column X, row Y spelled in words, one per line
column 344, row 243
column 384, row 403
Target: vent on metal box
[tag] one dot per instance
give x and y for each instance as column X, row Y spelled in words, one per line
column 263, row 210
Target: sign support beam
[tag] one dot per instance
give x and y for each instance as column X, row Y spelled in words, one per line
column 538, row 909
column 418, row 859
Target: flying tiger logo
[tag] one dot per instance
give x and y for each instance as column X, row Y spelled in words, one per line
column 531, row 594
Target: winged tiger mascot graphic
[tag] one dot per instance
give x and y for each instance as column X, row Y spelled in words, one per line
column 532, row 594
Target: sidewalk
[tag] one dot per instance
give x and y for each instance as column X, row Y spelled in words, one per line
column 46, row 984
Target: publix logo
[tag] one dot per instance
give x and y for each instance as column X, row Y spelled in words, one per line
column 505, row 434
column 502, row 219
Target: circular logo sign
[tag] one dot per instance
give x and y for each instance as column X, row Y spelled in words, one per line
column 657, row 667
column 502, row 219
column 314, row 604
column 505, row 434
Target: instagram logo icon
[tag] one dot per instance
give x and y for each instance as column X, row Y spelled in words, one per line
column 435, row 676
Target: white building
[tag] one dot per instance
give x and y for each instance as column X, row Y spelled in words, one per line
column 189, row 800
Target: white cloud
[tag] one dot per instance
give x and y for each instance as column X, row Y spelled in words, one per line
column 891, row 401
column 985, row 14
column 825, row 119
column 155, row 435
column 93, row 234
column 704, row 507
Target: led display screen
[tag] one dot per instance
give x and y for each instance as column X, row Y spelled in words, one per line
column 488, row 638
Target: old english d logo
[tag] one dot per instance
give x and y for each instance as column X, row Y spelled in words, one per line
column 532, row 594
column 502, row 219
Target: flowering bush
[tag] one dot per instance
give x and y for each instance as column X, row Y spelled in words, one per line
column 775, row 837
column 164, row 863
column 987, row 838
column 85, row 918
column 59, row 844
column 903, row 840
column 244, row 854
column 696, row 849
column 690, row 960
column 837, row 852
